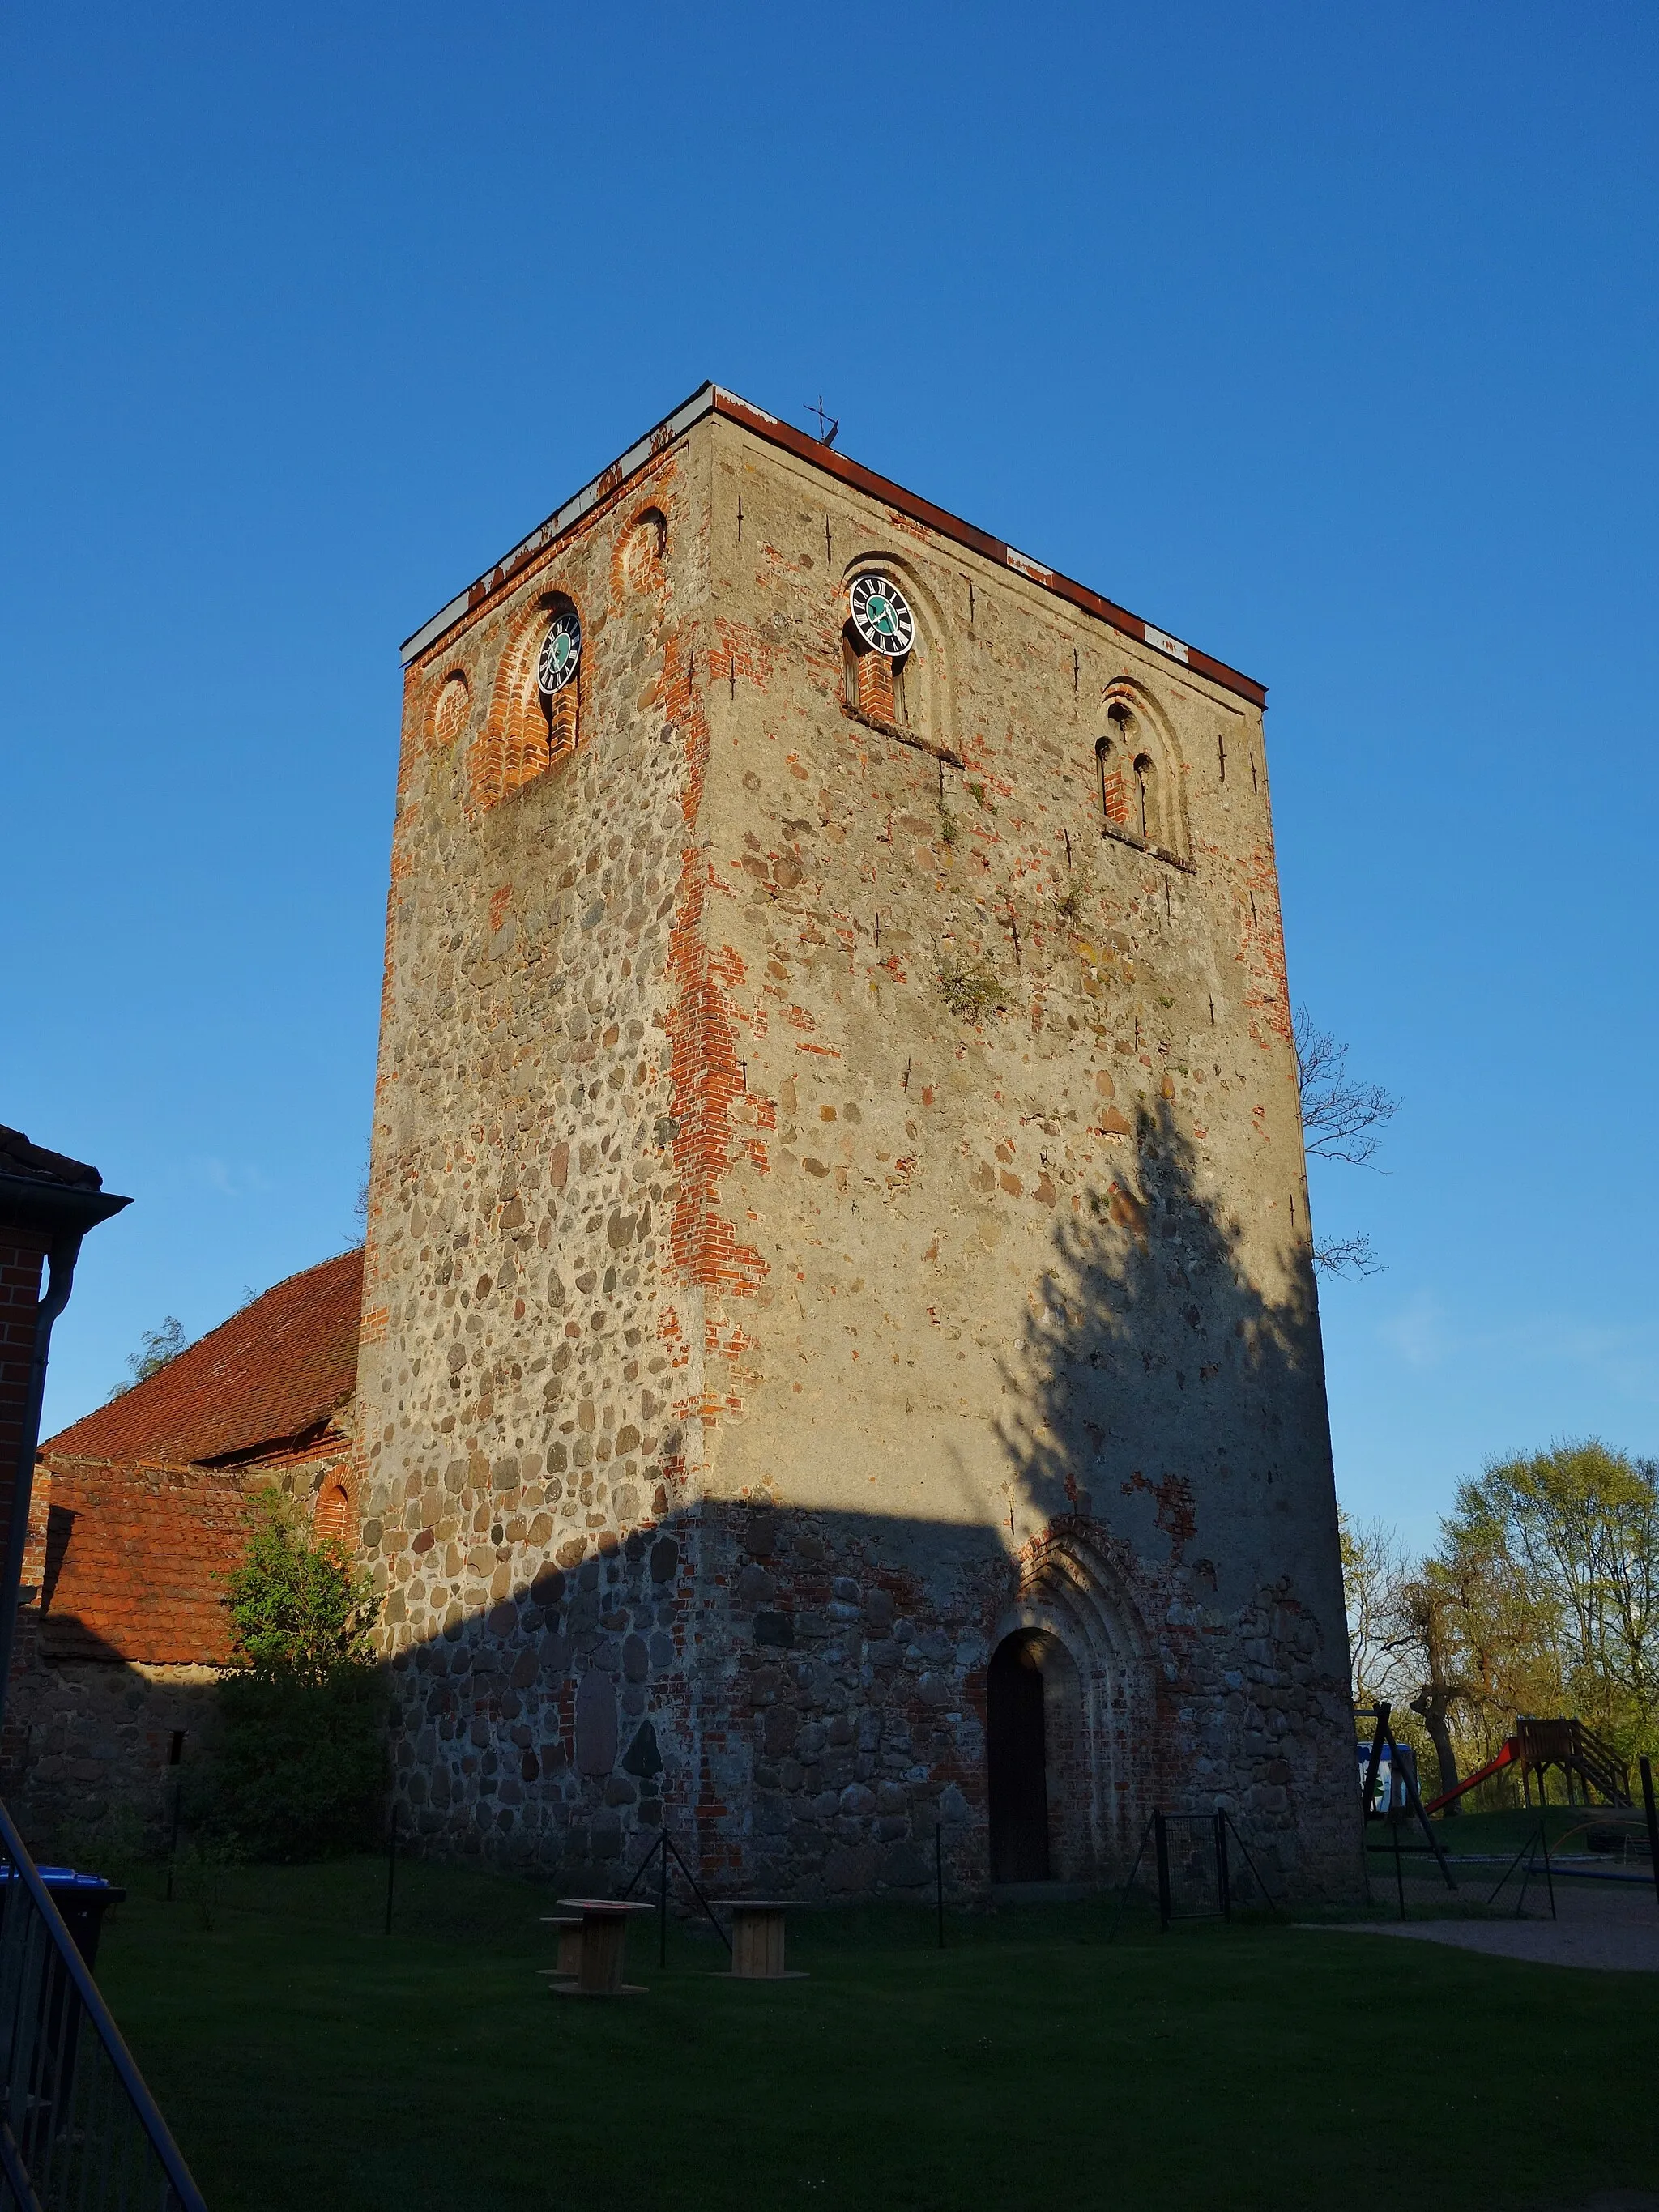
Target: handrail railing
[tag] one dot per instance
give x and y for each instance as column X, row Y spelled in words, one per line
column 79, row 2130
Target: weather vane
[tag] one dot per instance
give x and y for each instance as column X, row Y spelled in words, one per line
column 817, row 408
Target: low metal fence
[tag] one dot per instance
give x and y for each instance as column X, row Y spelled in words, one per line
column 1199, row 1878
column 79, row 2130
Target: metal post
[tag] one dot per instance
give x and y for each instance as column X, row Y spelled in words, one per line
column 1224, row 1885
column 173, row 1847
column 1161, row 1839
column 1399, row 1876
column 1255, row 1871
column 662, row 1895
column 1646, row 1766
column 391, row 1868
column 1408, row 1770
column 1544, row 1837
column 1123, row 1900
column 695, row 1891
column 1525, row 1852
column 939, row 1873
column 1367, row 1788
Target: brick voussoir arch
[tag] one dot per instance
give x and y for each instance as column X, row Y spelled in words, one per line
column 1133, row 726
column 522, row 739
column 637, row 557
column 334, row 1514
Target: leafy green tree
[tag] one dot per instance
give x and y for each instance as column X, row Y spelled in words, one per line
column 1570, row 1541
column 300, row 1609
column 1542, row 1596
column 157, row 1348
column 299, row 1769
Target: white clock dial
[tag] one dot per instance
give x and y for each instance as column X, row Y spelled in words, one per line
column 561, row 650
column 881, row 614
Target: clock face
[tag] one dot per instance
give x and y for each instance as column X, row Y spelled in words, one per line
column 561, row 650
column 881, row 616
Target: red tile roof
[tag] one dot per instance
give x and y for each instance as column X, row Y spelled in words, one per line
column 135, row 1563
column 271, row 1372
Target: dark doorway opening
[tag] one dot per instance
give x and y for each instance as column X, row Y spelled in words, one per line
column 1018, row 1762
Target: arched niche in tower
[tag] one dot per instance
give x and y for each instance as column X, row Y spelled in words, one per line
column 896, row 666
column 1138, row 774
column 535, row 715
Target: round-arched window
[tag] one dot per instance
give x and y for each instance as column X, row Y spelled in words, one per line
column 331, row 1518
column 560, row 650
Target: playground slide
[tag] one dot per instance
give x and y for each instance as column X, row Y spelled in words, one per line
column 1510, row 1750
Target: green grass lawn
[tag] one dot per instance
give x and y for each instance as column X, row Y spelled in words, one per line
column 307, row 2061
column 1506, row 1832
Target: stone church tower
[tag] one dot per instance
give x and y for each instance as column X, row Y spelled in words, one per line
column 839, row 1351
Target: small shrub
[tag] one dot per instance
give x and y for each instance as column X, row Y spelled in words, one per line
column 115, row 1846
column 1068, row 906
column 947, row 827
column 969, row 989
column 299, row 1767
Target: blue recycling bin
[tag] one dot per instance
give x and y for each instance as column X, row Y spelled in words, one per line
column 36, row 2097
column 84, row 1899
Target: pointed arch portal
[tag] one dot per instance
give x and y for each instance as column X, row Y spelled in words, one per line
column 1067, row 1718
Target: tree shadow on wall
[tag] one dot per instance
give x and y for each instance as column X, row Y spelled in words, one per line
column 1168, row 1441
column 1152, row 1367
column 801, row 1694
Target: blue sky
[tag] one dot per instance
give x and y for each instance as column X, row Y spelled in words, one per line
column 1322, row 337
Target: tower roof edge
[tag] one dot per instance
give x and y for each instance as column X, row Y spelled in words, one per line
column 711, row 398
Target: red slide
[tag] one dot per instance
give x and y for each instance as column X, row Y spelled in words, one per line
column 1510, row 1750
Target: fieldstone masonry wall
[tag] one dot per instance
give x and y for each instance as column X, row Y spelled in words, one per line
column 837, row 1201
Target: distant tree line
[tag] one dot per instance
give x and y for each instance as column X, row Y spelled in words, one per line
column 1541, row 1596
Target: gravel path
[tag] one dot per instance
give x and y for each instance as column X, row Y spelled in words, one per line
column 1616, row 1930
column 1620, row 2200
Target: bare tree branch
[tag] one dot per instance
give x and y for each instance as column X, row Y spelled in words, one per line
column 1341, row 1120
column 1348, row 1258
column 1341, row 1117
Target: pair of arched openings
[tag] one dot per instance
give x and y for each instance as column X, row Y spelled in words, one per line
column 1138, row 787
column 1135, row 761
